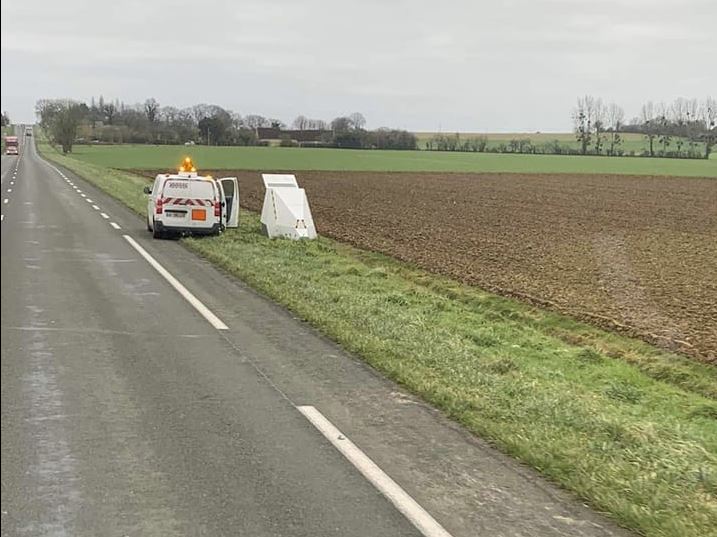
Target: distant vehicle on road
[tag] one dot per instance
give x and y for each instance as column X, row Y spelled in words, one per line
column 186, row 203
column 28, row 131
column 11, row 145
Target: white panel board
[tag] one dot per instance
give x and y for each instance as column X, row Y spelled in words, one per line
column 275, row 180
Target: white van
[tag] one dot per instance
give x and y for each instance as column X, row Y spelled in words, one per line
column 189, row 204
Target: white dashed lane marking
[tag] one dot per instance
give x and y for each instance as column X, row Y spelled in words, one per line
column 393, row 492
column 205, row 312
column 88, row 200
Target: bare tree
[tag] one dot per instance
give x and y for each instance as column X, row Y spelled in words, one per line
column 168, row 114
column 650, row 124
column 64, row 127
column 599, row 124
column 678, row 112
column 317, row 124
column 615, row 121
column 254, row 121
column 663, row 126
column 61, row 118
column 708, row 119
column 151, row 109
column 341, row 124
column 110, row 111
column 200, row 111
column 358, row 121
column 583, row 121
column 237, row 120
column 692, row 110
column 301, row 123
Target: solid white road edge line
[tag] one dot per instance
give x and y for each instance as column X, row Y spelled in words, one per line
column 194, row 301
column 416, row 514
column 115, row 225
column 105, row 216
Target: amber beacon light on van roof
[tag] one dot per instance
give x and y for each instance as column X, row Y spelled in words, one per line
column 187, row 165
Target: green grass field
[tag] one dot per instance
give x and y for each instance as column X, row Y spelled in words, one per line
column 629, row 428
column 279, row 158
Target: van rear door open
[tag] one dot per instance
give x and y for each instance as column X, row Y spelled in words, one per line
column 230, row 187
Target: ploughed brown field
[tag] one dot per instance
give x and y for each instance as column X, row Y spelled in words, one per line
column 634, row 254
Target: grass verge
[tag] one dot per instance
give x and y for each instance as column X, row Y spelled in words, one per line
column 629, row 428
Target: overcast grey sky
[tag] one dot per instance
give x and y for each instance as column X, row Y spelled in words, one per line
column 469, row 66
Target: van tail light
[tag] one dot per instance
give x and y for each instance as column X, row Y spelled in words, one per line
column 158, row 206
column 217, row 208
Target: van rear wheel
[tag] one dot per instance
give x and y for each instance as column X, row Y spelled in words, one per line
column 156, row 234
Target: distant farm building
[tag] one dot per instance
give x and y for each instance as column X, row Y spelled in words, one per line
column 299, row 136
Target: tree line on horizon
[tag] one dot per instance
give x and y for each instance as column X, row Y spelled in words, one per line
column 68, row 122
column 673, row 130
column 685, row 128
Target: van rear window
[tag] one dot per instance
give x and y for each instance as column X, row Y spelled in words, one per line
column 188, row 189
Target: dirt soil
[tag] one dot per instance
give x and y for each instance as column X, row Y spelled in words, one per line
column 633, row 254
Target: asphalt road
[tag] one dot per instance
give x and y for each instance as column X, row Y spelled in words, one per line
column 124, row 412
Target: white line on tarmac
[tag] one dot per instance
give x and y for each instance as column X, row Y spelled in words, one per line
column 416, row 514
column 194, row 301
column 95, row 207
column 5, row 200
column 2, row 217
column 88, row 200
column 105, row 216
column 83, row 195
column 116, row 226
column 12, row 183
column 9, row 190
